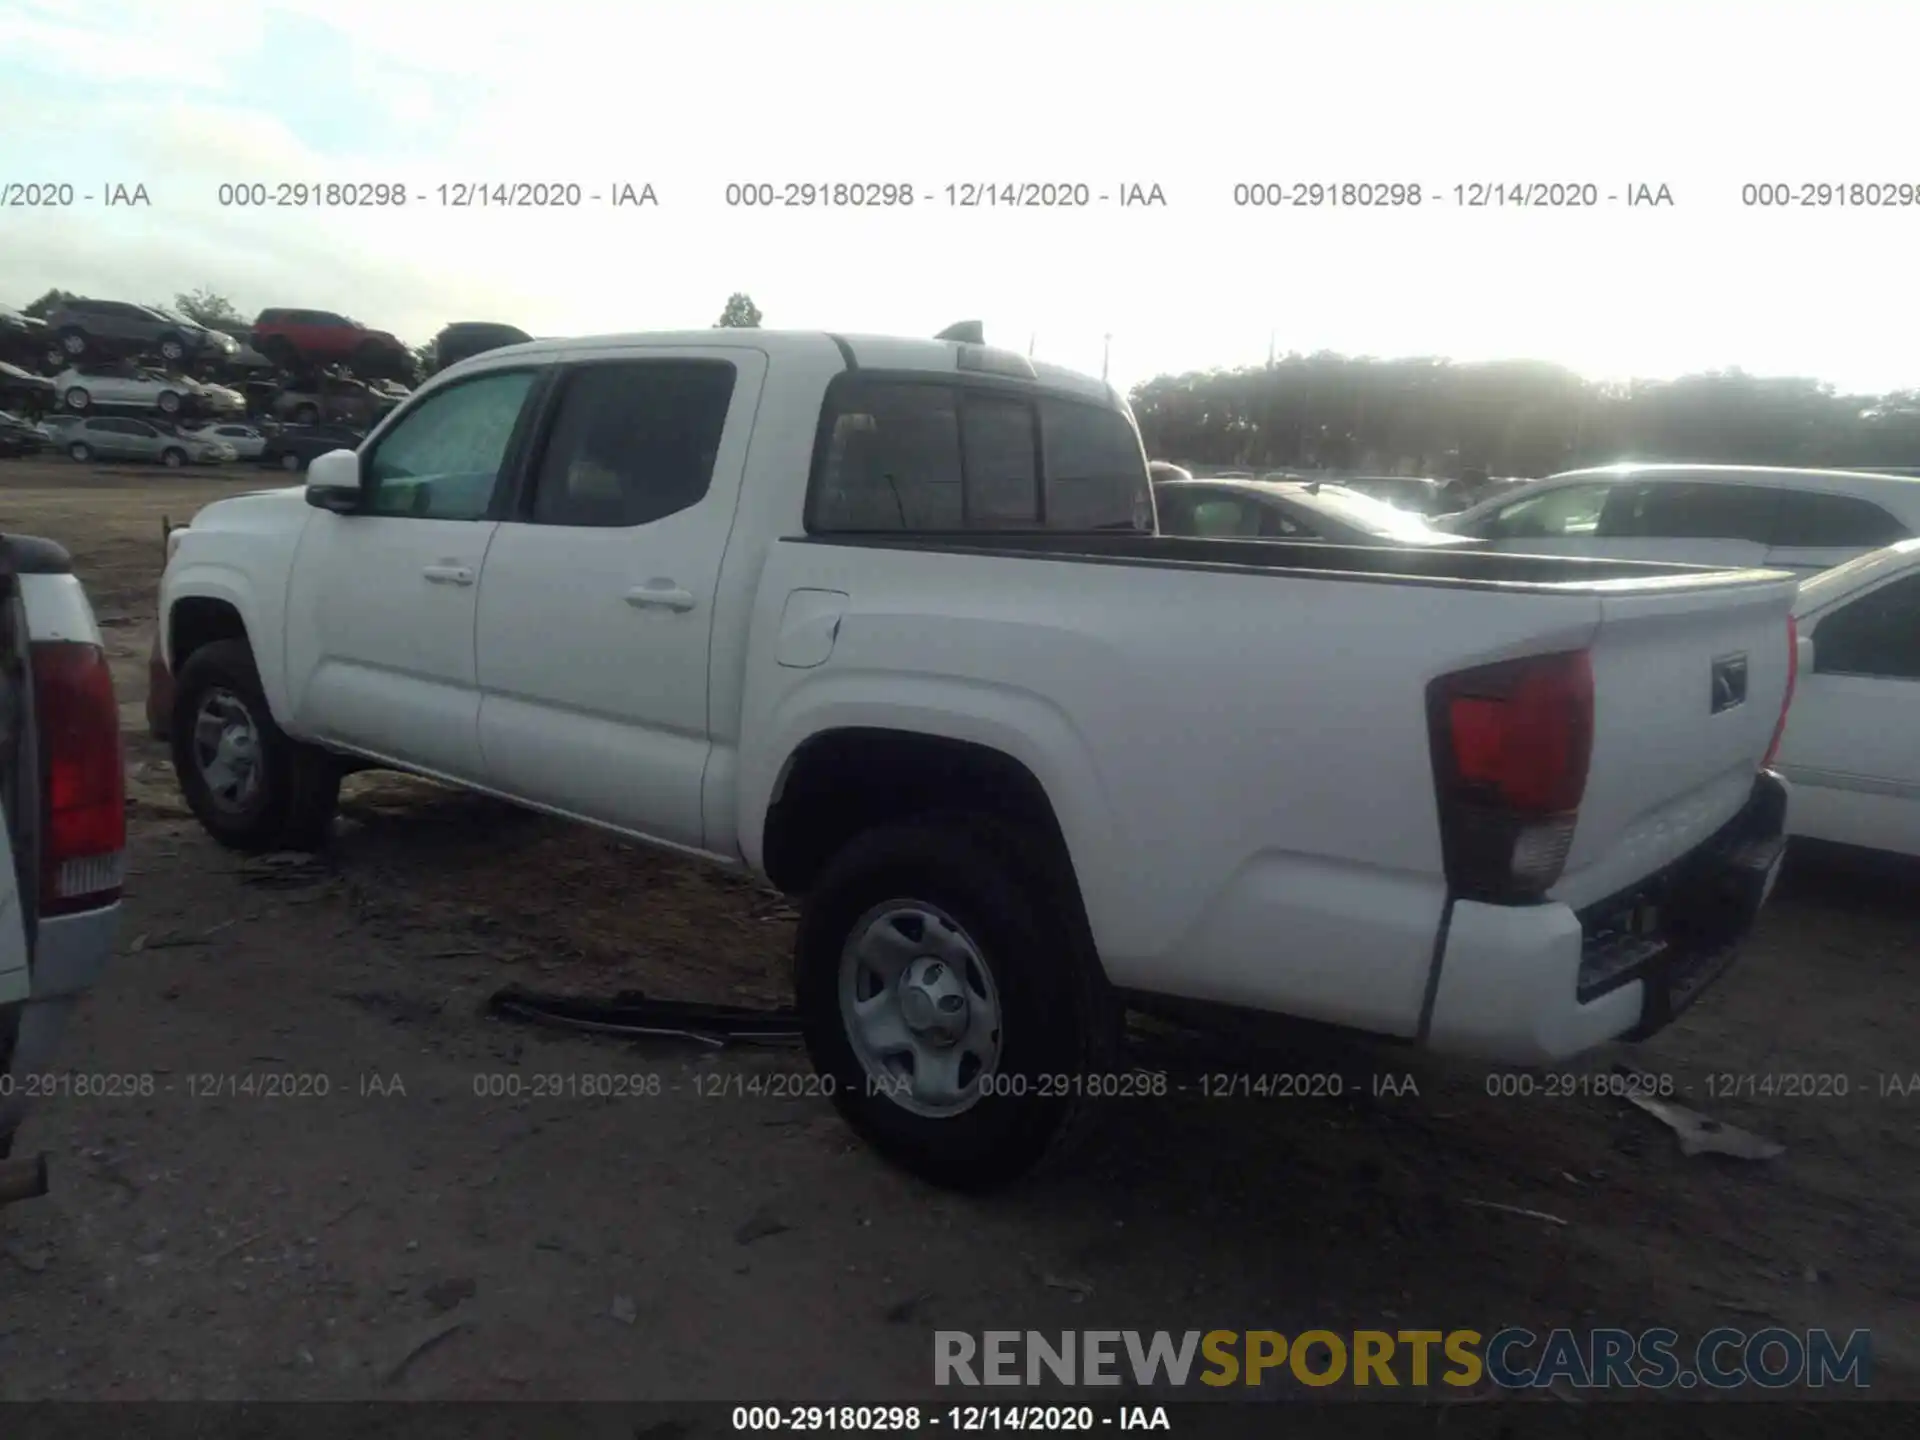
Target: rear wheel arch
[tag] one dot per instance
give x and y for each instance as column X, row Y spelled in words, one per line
column 840, row 783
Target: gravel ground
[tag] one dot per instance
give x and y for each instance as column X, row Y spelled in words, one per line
column 347, row 1183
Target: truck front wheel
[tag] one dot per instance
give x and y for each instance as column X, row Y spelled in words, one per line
column 958, row 1020
column 246, row 780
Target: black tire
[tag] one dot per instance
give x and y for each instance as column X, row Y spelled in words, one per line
column 290, row 462
column 306, row 415
column 293, row 805
column 72, row 343
column 167, row 402
column 171, row 350
column 1058, row 1017
column 173, row 459
column 80, row 451
column 77, row 398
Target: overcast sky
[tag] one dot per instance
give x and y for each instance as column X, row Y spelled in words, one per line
column 183, row 96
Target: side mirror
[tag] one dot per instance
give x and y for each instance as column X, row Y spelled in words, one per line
column 1803, row 654
column 333, row 482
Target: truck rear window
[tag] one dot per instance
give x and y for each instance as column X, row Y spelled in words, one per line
column 911, row 456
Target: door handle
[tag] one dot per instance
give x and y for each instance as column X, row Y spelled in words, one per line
column 449, row 574
column 661, row 595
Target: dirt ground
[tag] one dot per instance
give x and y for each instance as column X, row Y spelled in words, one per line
column 425, row 1229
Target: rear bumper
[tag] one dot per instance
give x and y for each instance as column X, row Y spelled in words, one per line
column 71, row 953
column 159, row 691
column 1528, row 985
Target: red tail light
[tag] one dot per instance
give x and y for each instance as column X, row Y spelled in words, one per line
column 1786, row 701
column 1512, row 743
column 83, row 854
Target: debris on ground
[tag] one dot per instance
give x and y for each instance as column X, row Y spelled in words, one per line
column 285, row 868
column 449, row 1294
column 761, row 1225
column 421, row 1342
column 1700, row 1134
column 632, row 1012
column 1519, row 1210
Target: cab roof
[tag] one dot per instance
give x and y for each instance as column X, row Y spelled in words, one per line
column 868, row 352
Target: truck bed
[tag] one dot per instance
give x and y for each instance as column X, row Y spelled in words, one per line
column 1406, row 565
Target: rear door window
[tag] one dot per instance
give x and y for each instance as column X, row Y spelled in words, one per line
column 632, row 442
column 1692, row 510
column 1812, row 520
column 1877, row 635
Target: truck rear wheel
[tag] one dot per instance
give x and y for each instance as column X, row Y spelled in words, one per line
column 246, row 780
column 954, row 1011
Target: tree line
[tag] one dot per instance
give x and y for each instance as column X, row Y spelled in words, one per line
column 1521, row 418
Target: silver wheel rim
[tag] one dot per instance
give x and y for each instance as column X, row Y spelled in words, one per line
column 920, row 1008
column 169, row 403
column 73, row 344
column 290, row 462
column 226, row 750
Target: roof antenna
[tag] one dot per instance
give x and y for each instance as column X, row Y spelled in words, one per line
column 967, row 332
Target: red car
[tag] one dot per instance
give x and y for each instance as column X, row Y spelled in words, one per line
column 319, row 337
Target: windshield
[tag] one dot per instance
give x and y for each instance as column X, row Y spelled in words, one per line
column 1411, row 494
column 1363, row 512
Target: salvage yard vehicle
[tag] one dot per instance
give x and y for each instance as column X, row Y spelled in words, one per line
column 114, row 437
column 295, row 447
column 246, row 442
column 1290, row 510
column 886, row 623
column 296, row 338
column 1733, row 515
column 63, row 788
column 1852, row 746
column 123, row 383
column 99, row 328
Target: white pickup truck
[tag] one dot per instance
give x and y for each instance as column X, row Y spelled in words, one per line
column 885, row 621
column 63, row 844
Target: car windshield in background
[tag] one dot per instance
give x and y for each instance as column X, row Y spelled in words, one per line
column 1410, row 494
column 1363, row 512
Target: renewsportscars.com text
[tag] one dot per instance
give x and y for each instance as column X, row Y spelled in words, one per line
column 1512, row 1358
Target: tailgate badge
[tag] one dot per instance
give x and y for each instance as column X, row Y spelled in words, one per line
column 1729, row 682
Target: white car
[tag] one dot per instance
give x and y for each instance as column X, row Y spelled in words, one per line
column 885, row 621
column 245, row 441
column 121, row 382
column 1730, row 515
column 1852, row 744
column 219, row 400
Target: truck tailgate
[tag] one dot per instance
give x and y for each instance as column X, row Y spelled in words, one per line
column 1688, row 688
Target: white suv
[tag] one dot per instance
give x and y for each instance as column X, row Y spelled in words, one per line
column 1733, row 515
